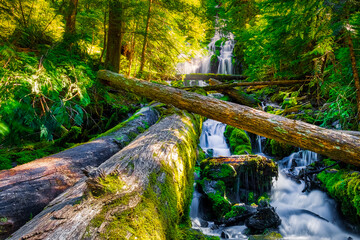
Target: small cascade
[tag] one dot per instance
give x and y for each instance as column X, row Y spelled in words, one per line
column 212, row 139
column 225, row 58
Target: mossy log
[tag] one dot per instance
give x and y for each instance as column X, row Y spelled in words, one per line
column 139, row 193
column 328, row 142
column 26, row 189
column 238, row 96
column 207, row 76
column 248, row 84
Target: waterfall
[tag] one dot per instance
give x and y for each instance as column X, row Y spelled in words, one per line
column 308, row 216
column 202, row 63
column 225, row 58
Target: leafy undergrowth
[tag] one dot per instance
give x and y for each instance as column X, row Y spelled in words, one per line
column 44, row 93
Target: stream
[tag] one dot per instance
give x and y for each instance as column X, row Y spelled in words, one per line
column 304, row 215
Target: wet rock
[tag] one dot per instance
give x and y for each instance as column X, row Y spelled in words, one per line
column 225, row 235
column 265, row 217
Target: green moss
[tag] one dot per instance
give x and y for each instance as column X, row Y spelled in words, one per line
column 279, row 149
column 111, row 183
column 220, row 205
column 344, row 186
column 267, row 236
column 187, row 233
column 239, row 141
column 166, row 201
column 236, row 210
column 213, row 170
column 119, row 126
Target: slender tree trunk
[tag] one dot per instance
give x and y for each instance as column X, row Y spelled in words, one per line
column 331, row 143
column 105, row 36
column 132, row 50
column 113, row 51
column 145, row 38
column 356, row 76
column 71, row 17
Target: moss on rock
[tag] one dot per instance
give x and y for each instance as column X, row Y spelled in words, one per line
column 239, row 141
column 344, row 186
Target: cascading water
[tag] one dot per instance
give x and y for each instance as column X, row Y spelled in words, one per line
column 304, row 215
column 202, row 64
column 212, row 138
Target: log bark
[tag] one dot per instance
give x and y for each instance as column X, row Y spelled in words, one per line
column 201, row 76
column 339, row 146
column 248, row 84
column 238, row 96
column 156, row 170
column 26, row 189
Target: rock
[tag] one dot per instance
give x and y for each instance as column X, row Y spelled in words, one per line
column 225, row 235
column 265, row 217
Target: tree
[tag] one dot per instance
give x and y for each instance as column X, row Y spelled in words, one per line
column 71, row 17
column 115, row 35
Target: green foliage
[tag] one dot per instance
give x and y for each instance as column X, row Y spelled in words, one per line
column 238, row 140
column 213, row 170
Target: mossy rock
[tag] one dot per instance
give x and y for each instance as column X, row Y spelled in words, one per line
column 267, row 236
column 344, row 186
column 188, row 233
column 279, row 149
column 211, row 169
column 239, row 141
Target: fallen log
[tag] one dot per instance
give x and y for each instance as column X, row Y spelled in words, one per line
column 339, row 146
column 238, row 96
column 139, row 193
column 26, row 189
column 247, row 84
column 207, row 76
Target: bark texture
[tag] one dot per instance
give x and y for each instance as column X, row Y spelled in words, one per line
column 71, row 17
column 115, row 35
column 336, row 145
column 238, row 96
column 26, row 189
column 223, row 87
column 156, row 170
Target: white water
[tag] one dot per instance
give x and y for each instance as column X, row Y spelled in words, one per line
column 202, row 63
column 302, row 214
column 212, row 138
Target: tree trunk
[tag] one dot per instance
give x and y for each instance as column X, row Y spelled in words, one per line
column 114, row 39
column 71, row 17
column 138, row 193
column 105, row 37
column 238, row 96
column 26, row 189
column 132, row 50
column 328, row 142
column 247, row 84
column 356, row 76
column 142, row 64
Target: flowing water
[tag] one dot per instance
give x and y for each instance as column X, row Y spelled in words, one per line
column 202, row 63
column 304, row 215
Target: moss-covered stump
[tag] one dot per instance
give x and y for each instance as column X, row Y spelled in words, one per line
column 230, row 180
column 26, row 189
column 344, row 186
column 239, row 141
column 142, row 192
